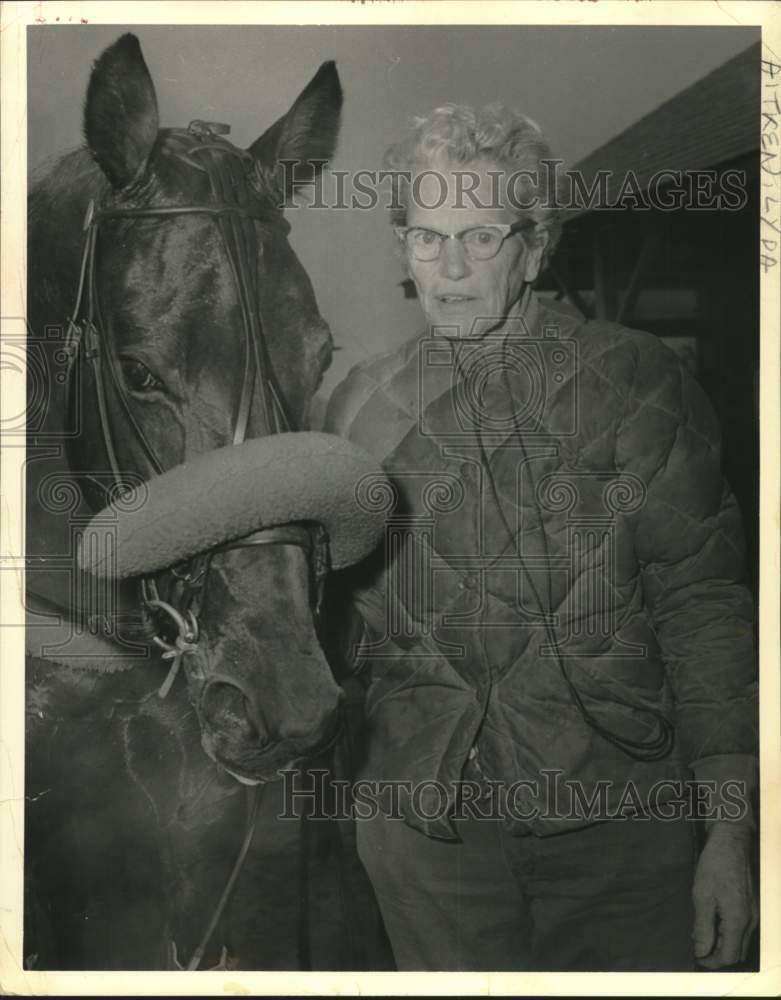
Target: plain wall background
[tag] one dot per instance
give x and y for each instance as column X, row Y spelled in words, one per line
column 582, row 85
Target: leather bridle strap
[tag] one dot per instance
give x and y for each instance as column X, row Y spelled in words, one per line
column 311, row 539
column 235, row 210
column 228, row 218
column 235, row 214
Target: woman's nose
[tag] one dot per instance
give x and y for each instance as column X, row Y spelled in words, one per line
column 453, row 261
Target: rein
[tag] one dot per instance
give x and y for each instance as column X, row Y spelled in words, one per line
column 235, row 209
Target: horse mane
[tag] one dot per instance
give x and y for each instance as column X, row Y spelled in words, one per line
column 57, row 201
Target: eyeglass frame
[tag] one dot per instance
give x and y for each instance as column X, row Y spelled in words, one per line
column 507, row 228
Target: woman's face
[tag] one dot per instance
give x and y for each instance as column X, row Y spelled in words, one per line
column 475, row 296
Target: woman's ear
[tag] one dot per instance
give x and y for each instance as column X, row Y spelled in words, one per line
column 535, row 251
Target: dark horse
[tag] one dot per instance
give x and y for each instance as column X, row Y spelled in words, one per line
column 197, row 327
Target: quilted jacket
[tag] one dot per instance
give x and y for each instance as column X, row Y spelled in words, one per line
column 561, row 582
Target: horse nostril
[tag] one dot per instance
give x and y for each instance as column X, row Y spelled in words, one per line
column 225, row 708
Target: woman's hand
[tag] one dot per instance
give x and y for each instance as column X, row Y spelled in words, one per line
column 726, row 911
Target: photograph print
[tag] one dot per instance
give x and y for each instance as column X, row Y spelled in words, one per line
column 392, row 498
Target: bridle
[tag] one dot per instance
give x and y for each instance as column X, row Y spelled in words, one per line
column 235, row 208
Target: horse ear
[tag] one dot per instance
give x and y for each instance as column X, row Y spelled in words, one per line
column 120, row 114
column 294, row 150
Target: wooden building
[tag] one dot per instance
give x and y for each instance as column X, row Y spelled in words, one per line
column 674, row 248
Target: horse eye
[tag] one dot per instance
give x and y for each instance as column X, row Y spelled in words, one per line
column 138, row 377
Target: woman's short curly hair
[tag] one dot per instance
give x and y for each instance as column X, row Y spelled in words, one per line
column 456, row 135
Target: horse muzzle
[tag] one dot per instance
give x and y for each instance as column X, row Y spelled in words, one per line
column 236, row 733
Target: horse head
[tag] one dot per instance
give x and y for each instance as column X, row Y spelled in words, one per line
column 196, row 328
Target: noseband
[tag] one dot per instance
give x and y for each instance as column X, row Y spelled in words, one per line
column 235, row 208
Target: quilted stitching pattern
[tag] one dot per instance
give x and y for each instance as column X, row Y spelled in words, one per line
column 673, row 623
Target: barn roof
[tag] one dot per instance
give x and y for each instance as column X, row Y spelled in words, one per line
column 713, row 121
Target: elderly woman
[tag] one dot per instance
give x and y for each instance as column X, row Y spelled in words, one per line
column 556, row 636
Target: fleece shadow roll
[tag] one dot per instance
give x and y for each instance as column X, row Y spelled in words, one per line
column 229, row 493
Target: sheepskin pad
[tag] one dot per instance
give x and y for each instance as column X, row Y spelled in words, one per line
column 229, row 493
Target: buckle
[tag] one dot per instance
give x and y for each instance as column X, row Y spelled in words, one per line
column 204, row 129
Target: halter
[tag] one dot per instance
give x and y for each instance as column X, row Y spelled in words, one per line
column 235, row 208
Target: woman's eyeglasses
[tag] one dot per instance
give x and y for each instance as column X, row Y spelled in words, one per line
column 479, row 242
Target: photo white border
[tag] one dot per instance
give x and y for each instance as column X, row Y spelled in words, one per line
column 15, row 17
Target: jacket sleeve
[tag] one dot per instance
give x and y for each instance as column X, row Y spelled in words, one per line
column 689, row 543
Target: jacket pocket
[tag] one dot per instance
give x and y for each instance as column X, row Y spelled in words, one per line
column 629, row 711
